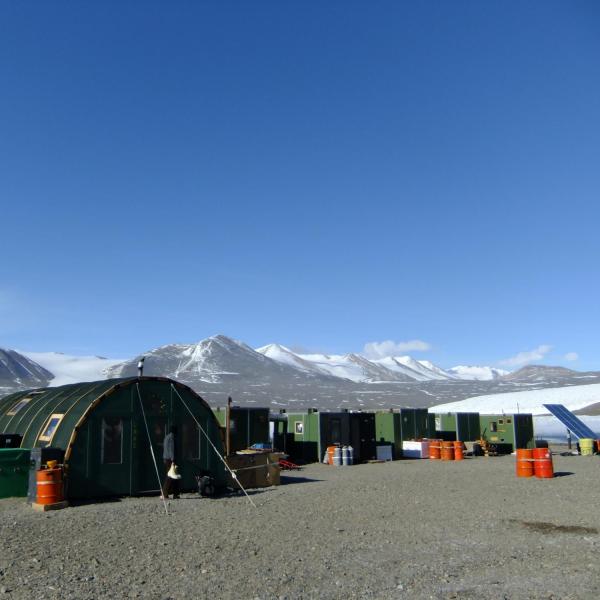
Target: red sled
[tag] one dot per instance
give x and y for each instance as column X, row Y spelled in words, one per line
column 287, row 465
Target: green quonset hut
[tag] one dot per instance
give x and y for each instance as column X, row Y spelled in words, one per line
column 395, row 426
column 248, row 425
column 101, row 427
column 508, row 432
column 457, row 426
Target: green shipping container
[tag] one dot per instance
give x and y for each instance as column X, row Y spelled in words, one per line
column 394, row 427
column 303, row 436
column 457, row 426
column 311, row 432
column 247, row 425
column 508, row 432
column 388, row 429
column 431, row 425
column 14, row 472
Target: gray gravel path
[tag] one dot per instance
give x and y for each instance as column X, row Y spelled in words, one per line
column 408, row 529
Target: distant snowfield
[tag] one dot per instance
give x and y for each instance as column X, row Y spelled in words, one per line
column 72, row 369
column 336, row 365
column 573, row 397
column 477, row 373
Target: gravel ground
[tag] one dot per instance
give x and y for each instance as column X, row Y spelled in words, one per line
column 408, row 529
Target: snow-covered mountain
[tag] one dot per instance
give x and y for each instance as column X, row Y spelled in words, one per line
column 533, row 373
column 217, row 359
column 16, row 370
column 422, row 368
column 353, row 367
column 444, row 373
column 276, row 376
column 475, row 373
column 285, row 355
column 357, row 368
column 392, row 364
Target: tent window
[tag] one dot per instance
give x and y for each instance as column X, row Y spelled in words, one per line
column 190, row 441
column 51, row 427
column 18, row 406
column 112, row 441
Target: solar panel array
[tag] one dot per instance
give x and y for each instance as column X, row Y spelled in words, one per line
column 570, row 421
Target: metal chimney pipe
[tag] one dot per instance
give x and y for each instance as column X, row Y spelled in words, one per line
column 141, row 366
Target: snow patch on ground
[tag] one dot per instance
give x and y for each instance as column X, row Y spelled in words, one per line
column 574, row 398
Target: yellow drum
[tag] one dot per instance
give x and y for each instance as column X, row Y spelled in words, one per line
column 586, row 446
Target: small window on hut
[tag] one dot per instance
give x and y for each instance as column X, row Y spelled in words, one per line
column 112, row 441
column 190, row 440
column 18, row 406
column 299, row 428
column 493, row 427
column 50, row 428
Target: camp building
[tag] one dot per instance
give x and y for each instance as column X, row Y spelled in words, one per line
column 106, row 428
column 311, row 432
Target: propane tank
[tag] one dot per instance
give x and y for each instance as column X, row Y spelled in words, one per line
column 337, row 457
column 326, row 458
column 350, row 455
column 345, row 456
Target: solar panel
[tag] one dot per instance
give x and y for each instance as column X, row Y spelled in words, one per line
column 570, row 421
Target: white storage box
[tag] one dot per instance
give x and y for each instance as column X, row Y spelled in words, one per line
column 384, row 452
column 415, row 449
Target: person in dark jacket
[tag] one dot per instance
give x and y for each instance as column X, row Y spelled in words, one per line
column 170, row 485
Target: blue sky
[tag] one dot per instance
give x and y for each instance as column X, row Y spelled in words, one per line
column 323, row 175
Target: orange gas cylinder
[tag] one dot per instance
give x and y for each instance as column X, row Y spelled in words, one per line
column 49, row 486
column 447, row 452
column 542, row 463
column 459, row 450
column 330, row 452
column 435, row 449
column 524, row 462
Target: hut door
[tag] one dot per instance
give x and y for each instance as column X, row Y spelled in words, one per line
column 146, row 480
column 111, row 466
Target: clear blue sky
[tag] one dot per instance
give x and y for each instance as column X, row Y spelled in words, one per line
column 320, row 174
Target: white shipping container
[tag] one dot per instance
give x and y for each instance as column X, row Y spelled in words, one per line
column 415, row 449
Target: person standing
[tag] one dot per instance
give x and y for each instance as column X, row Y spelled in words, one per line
column 170, row 485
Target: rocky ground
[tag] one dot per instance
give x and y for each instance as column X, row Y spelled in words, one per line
column 408, row 529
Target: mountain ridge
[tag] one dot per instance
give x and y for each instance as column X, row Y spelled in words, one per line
column 273, row 375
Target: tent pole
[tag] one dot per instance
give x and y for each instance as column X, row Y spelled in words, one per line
column 152, row 449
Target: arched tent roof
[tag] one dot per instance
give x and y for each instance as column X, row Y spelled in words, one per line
column 54, row 414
